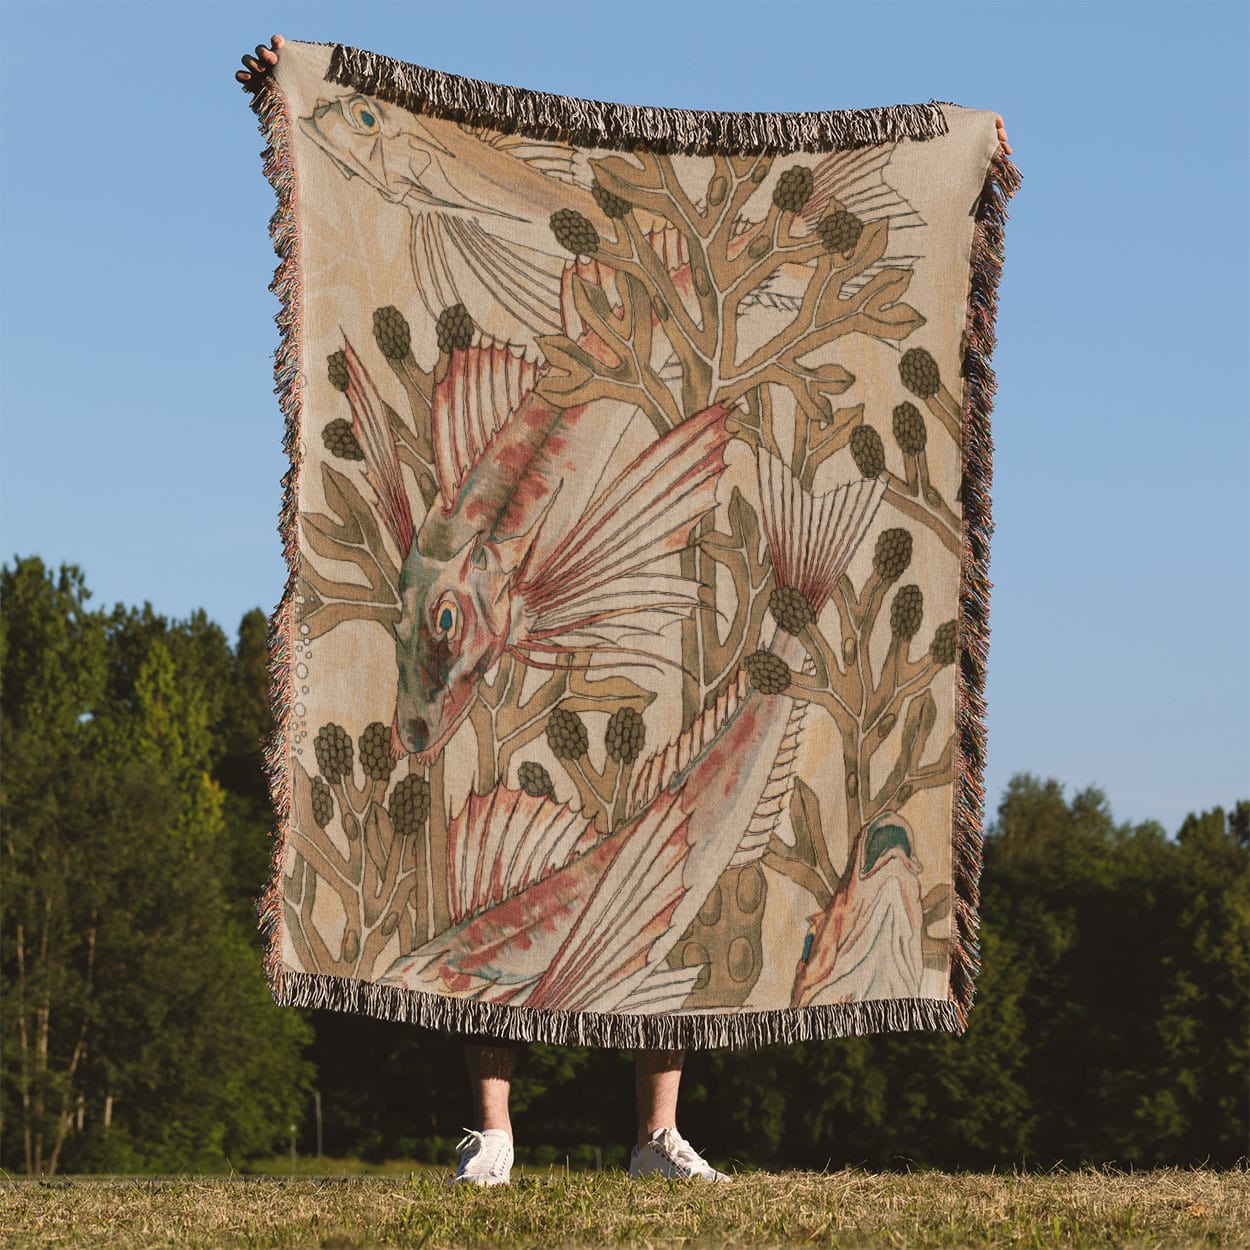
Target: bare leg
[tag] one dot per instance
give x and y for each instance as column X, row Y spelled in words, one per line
column 657, row 1078
column 490, row 1079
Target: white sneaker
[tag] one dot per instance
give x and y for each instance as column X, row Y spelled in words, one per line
column 668, row 1153
column 485, row 1158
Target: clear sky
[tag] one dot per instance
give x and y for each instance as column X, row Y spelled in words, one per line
column 141, row 438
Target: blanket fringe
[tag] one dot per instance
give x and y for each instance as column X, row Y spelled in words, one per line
column 270, row 108
column 1001, row 182
column 593, row 123
column 681, row 1030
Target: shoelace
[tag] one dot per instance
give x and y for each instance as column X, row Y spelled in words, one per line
column 682, row 1152
column 473, row 1138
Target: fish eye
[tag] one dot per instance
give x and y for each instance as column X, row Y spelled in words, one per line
column 363, row 113
column 447, row 616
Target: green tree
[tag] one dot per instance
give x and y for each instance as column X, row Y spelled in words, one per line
column 138, row 1029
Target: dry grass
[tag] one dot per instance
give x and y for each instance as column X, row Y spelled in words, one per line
column 843, row 1209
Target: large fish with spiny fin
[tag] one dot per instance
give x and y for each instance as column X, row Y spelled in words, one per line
column 524, row 550
column 547, row 914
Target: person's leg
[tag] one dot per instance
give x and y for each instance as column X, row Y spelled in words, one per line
column 657, row 1079
column 490, row 1080
column 661, row 1149
column 486, row 1152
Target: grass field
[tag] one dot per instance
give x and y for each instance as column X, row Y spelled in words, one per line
column 551, row 1209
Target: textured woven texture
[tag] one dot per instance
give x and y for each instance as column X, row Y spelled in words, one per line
column 628, row 675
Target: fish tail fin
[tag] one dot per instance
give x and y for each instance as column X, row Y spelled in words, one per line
column 811, row 538
column 645, row 514
column 373, row 434
column 618, row 940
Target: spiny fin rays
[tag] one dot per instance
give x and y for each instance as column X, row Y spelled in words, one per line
column 377, row 445
column 645, row 514
column 482, row 387
column 811, row 538
column 505, row 841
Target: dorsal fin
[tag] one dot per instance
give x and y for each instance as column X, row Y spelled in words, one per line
column 372, row 433
column 504, row 841
column 548, row 156
column 482, row 386
column 776, row 790
column 660, row 769
column 855, row 181
column 811, row 537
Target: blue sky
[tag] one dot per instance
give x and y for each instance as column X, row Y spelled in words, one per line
column 141, row 439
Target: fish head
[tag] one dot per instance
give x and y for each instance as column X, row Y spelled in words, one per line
column 365, row 140
column 869, row 935
column 453, row 626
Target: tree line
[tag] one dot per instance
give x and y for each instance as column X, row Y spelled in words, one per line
column 137, row 1032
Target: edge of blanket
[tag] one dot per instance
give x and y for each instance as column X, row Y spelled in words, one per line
column 294, row 987
column 595, row 123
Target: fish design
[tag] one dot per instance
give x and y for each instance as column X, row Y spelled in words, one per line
column 547, row 914
column 868, row 942
column 481, row 203
column 524, row 550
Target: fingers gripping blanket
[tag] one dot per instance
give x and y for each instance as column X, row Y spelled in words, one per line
column 628, row 675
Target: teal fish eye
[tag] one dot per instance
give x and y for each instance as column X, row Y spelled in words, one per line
column 445, row 619
column 368, row 119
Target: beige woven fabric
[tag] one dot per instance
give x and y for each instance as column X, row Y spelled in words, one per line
column 628, row 673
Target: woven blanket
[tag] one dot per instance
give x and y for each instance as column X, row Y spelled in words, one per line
column 628, row 675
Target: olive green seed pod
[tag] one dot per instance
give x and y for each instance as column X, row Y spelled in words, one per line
column 454, row 329
column 566, row 734
column 769, row 673
column 919, row 372
column 867, row 450
column 391, row 333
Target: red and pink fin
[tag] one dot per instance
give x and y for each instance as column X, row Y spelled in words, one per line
column 624, row 931
column 645, row 514
column 812, row 538
column 483, row 385
column 373, row 434
column 505, row 841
